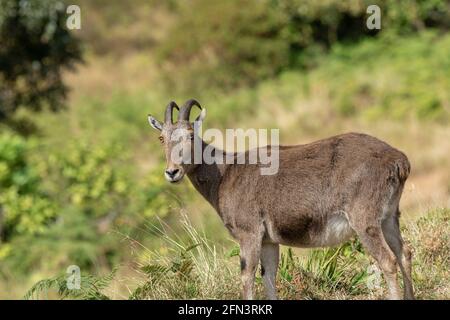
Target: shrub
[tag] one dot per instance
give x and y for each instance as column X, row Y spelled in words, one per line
column 24, row 206
column 58, row 206
column 224, row 43
column 35, row 48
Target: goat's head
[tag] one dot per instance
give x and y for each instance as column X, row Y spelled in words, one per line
column 178, row 139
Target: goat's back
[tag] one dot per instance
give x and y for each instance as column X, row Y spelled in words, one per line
column 315, row 181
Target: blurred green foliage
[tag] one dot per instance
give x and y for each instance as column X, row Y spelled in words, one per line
column 35, row 48
column 226, row 44
column 391, row 77
column 58, row 206
column 24, row 207
column 90, row 178
column 399, row 78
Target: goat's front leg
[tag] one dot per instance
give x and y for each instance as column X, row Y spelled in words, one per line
column 250, row 253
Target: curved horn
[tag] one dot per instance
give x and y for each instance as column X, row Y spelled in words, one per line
column 168, row 118
column 185, row 111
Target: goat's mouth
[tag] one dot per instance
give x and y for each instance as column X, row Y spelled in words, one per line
column 175, row 179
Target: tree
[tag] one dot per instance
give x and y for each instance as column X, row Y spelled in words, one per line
column 35, row 47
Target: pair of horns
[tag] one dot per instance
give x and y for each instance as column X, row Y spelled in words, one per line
column 184, row 113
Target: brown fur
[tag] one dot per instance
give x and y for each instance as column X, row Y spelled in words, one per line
column 323, row 193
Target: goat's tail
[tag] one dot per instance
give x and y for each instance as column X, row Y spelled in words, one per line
column 403, row 168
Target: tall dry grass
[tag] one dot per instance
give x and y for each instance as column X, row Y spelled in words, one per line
column 188, row 265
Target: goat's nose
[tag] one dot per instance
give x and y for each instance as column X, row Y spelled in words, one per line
column 172, row 173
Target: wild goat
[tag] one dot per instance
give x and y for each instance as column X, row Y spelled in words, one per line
column 324, row 192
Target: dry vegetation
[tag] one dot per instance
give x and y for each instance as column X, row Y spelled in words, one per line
column 193, row 267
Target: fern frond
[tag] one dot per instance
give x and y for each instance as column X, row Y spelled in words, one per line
column 90, row 287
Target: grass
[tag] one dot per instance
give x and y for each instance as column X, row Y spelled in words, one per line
column 191, row 267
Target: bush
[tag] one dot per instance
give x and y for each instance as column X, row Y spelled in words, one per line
column 58, row 206
column 91, row 177
column 35, row 48
column 25, row 208
column 224, row 43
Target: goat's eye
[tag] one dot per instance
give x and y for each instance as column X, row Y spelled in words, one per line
column 161, row 139
column 191, row 136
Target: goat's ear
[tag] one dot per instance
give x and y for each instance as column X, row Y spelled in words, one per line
column 154, row 123
column 201, row 116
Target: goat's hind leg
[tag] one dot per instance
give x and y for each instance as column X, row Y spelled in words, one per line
column 269, row 268
column 391, row 232
column 371, row 235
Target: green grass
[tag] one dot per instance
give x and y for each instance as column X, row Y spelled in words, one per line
column 189, row 266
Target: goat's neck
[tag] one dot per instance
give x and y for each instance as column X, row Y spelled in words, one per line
column 207, row 178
